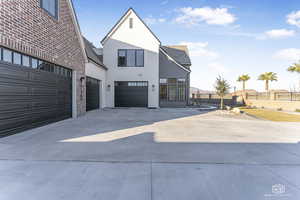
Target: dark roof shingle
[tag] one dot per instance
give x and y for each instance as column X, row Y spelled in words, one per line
column 179, row 55
column 91, row 54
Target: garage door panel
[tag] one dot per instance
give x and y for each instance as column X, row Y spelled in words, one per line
column 13, row 72
column 92, row 94
column 128, row 95
column 29, row 98
column 13, row 89
column 13, row 106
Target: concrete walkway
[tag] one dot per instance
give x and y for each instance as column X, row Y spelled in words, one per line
column 153, row 154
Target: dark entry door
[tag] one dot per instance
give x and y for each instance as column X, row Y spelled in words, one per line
column 92, row 93
column 30, row 98
column 131, row 94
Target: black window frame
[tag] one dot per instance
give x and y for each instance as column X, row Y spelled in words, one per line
column 41, row 64
column 135, row 59
column 2, row 55
column 56, row 9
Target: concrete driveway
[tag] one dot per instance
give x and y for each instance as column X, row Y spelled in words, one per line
column 161, row 154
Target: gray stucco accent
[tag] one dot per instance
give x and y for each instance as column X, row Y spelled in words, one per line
column 169, row 69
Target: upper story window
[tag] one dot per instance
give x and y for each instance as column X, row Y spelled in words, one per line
column 51, row 6
column 131, row 58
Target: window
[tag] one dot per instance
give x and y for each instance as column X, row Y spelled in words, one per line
column 26, row 62
column 122, row 58
column 163, row 91
column 40, row 64
column 17, row 59
column 137, row 84
column 34, row 63
column 7, row 55
column 163, row 80
column 51, row 6
column 131, row 23
column 131, row 58
column 172, row 89
column 139, row 58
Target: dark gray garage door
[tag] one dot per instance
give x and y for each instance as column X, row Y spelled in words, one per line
column 92, row 93
column 33, row 97
column 131, row 94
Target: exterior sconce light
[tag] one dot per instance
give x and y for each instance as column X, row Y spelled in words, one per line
column 81, row 87
column 153, row 87
column 108, row 87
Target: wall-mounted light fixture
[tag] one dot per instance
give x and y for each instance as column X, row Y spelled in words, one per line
column 153, row 87
column 81, row 86
column 108, row 87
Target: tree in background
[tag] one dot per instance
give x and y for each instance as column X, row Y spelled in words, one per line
column 295, row 68
column 244, row 78
column 267, row 77
column 222, row 88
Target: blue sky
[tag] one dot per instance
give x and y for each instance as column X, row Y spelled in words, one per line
column 227, row 38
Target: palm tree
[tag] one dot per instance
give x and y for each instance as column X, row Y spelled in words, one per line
column 222, row 88
column 267, row 77
column 295, row 68
column 244, row 78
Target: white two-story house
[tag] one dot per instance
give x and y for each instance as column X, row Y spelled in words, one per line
column 141, row 72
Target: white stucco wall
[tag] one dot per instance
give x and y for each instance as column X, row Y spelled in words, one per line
column 139, row 37
column 98, row 73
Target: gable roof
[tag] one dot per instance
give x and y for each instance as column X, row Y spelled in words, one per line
column 180, row 56
column 184, row 67
column 117, row 25
column 91, row 54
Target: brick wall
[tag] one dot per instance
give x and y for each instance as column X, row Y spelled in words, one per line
column 27, row 28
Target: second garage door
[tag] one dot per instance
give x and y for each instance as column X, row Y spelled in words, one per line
column 92, row 93
column 131, row 94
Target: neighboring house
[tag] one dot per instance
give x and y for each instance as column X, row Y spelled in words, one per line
column 95, row 78
column 42, row 64
column 142, row 72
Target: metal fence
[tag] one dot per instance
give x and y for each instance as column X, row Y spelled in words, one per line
column 213, row 99
column 275, row 96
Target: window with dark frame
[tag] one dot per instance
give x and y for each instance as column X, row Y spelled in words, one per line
column 131, row 58
column 17, row 58
column 7, row 55
column 173, row 89
column 122, row 58
column 26, row 61
column 50, row 6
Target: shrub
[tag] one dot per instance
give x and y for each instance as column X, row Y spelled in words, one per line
column 297, row 110
column 279, row 109
column 262, row 107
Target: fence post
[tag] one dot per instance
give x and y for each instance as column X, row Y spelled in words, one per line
column 291, row 96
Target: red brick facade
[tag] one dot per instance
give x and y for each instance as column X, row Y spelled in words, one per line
column 27, row 28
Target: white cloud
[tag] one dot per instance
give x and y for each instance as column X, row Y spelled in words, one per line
column 294, row 18
column 279, row 33
column 151, row 20
column 199, row 49
column 291, row 54
column 215, row 16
